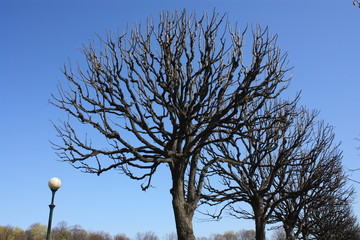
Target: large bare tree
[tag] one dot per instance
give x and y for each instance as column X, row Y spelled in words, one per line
column 278, row 148
column 158, row 95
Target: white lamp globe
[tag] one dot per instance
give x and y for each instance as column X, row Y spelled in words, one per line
column 54, row 183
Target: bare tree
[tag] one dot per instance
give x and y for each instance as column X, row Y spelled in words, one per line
column 318, row 183
column 334, row 220
column 287, row 142
column 327, row 215
column 146, row 236
column 157, row 96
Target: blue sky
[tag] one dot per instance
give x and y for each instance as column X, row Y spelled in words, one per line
column 37, row 37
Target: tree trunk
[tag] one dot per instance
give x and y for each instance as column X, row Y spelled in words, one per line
column 260, row 222
column 183, row 210
column 260, row 228
column 183, row 220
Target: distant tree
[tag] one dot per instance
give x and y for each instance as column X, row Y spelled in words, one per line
column 279, row 234
column 218, row 236
column 266, row 160
column 121, row 237
column 18, row 234
column 203, row 238
column 78, row 233
column 11, row 233
column 6, row 232
column 61, row 232
column 158, row 96
column 170, row 236
column 229, row 235
column 146, row 236
column 36, row 231
column 232, row 235
column 98, row 236
column 247, row 235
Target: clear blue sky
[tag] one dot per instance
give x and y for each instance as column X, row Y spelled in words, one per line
column 322, row 38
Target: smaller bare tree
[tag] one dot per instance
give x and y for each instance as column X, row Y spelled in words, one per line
column 332, row 219
column 318, row 183
column 265, row 161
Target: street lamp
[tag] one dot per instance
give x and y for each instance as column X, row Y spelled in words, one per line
column 54, row 185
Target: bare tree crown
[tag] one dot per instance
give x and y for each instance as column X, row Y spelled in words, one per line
column 158, row 95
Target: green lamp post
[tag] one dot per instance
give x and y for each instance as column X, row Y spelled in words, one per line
column 54, row 185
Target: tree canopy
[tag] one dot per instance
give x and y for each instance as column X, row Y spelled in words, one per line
column 160, row 95
column 188, row 92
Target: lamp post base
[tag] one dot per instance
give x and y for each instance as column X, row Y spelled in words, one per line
column 51, row 206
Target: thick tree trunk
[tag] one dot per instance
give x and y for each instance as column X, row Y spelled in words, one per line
column 260, row 228
column 183, row 220
column 260, row 222
column 183, row 210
